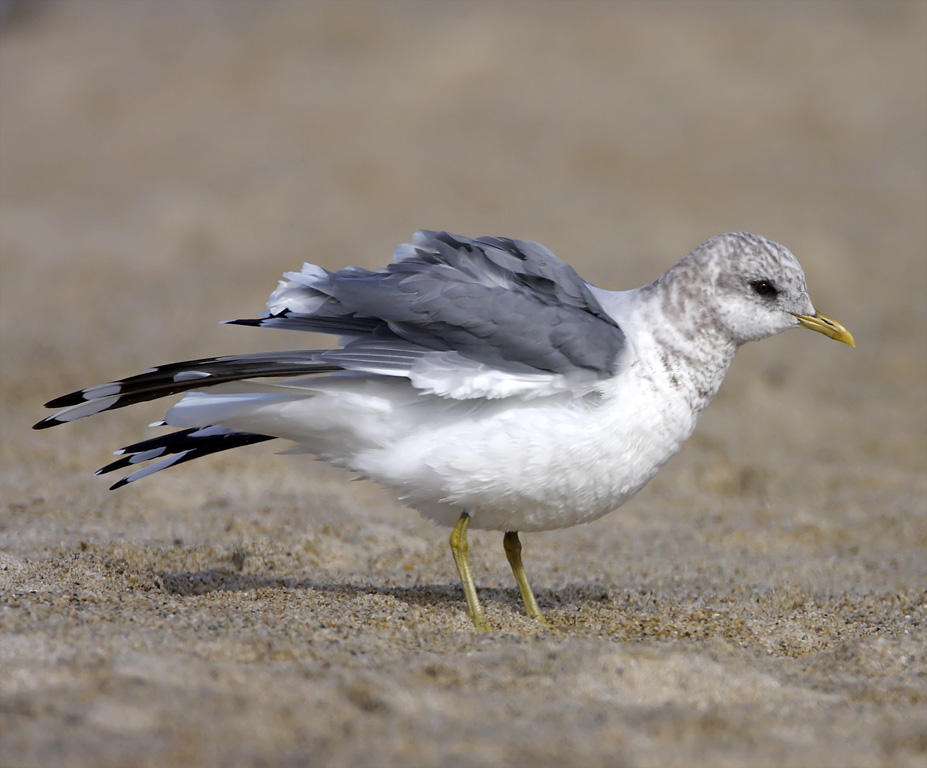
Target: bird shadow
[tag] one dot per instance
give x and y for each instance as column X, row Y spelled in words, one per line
column 190, row 583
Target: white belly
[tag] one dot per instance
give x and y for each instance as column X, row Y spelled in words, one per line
column 539, row 465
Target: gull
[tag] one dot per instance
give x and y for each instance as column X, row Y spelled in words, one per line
column 482, row 379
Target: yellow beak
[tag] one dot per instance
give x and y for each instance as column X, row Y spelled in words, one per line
column 828, row 327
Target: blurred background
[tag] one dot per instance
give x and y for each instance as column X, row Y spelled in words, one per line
column 161, row 163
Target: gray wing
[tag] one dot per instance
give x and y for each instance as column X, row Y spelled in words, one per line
column 459, row 317
column 510, row 305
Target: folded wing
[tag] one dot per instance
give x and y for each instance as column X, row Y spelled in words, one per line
column 459, row 318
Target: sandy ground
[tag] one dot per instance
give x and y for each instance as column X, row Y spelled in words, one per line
column 761, row 603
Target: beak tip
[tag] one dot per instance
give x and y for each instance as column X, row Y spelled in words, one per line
column 827, row 326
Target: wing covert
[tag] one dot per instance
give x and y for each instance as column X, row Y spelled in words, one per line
column 498, row 302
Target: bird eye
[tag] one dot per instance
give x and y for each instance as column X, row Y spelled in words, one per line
column 764, row 288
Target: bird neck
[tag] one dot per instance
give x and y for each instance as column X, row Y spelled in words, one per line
column 692, row 348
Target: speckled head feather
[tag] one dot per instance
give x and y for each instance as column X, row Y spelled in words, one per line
column 737, row 285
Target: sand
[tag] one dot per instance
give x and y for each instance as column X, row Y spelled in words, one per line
column 763, row 602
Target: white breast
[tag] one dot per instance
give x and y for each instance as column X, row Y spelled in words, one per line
column 540, row 464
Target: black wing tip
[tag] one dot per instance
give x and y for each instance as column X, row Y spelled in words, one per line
column 48, row 421
column 121, row 462
column 63, row 401
column 252, row 321
column 172, row 449
column 258, row 321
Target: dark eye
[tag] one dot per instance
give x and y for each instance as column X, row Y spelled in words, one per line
column 764, row 288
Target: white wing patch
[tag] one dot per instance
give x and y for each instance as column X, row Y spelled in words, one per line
column 450, row 374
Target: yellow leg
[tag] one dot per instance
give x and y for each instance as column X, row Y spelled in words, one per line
column 512, row 547
column 459, row 549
